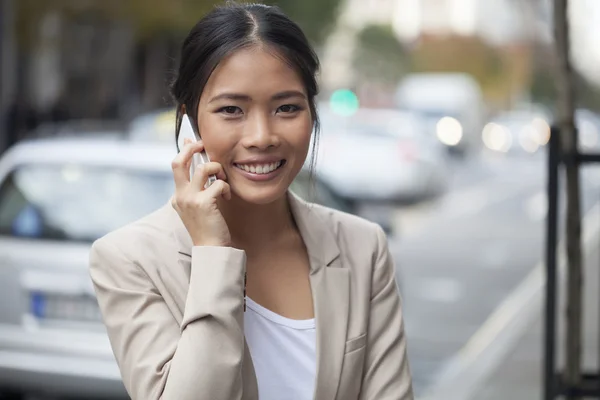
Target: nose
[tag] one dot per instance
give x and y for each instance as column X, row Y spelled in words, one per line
column 259, row 133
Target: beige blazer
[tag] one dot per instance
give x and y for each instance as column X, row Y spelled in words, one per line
column 174, row 312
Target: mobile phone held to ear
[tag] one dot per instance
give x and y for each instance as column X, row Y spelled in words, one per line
column 187, row 132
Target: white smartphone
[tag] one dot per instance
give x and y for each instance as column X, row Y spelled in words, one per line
column 187, row 132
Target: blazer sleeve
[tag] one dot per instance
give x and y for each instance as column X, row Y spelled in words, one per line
column 387, row 374
column 158, row 358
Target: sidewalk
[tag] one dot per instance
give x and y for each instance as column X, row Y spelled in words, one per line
column 520, row 374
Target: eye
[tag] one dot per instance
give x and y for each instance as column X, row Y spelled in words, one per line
column 230, row 110
column 288, row 108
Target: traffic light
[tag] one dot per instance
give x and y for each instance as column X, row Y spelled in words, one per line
column 344, row 102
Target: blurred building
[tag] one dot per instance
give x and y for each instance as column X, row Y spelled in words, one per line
column 504, row 22
column 498, row 21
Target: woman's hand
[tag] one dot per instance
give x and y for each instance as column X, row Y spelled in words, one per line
column 197, row 206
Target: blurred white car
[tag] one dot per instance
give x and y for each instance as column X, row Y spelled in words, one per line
column 452, row 105
column 380, row 155
column 56, row 197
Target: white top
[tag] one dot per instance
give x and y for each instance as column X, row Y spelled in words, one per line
column 283, row 352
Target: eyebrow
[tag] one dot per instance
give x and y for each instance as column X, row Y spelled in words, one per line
column 288, row 94
column 242, row 97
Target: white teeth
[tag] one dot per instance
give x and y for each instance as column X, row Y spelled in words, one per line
column 260, row 169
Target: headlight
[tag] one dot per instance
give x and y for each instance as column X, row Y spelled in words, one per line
column 496, row 137
column 529, row 139
column 449, row 131
column 542, row 131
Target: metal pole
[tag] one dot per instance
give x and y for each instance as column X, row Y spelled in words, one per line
column 568, row 148
column 7, row 63
column 551, row 287
column 3, row 106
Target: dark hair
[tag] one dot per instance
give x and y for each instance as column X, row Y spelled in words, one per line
column 232, row 27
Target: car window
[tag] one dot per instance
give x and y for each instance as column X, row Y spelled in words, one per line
column 77, row 203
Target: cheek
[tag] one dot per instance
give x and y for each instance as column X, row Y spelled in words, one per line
column 299, row 132
column 218, row 137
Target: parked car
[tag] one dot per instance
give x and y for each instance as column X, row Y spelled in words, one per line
column 451, row 103
column 56, row 197
column 380, row 156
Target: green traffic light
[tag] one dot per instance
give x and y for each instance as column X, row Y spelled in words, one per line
column 344, row 102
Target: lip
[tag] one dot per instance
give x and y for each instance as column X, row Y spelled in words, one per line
column 260, row 160
column 261, row 177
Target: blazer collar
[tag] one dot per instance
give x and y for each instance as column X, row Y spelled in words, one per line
column 316, row 233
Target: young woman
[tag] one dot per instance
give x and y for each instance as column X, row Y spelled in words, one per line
column 241, row 290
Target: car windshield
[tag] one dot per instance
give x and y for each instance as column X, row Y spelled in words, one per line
column 77, row 203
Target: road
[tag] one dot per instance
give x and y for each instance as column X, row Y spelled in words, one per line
column 461, row 255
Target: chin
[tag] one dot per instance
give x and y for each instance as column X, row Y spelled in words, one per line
column 260, row 195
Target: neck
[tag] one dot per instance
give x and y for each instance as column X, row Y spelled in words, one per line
column 256, row 224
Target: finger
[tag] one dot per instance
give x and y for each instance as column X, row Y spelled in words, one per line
column 181, row 163
column 219, row 189
column 220, row 174
column 203, row 171
column 195, row 158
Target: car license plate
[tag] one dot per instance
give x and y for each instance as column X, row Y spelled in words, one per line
column 64, row 307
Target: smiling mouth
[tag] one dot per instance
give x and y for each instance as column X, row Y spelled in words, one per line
column 261, row 169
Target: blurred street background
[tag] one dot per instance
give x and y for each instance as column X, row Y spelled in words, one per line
column 435, row 116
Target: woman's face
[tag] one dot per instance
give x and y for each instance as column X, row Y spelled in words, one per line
column 254, row 119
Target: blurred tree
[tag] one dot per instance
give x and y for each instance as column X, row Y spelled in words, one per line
column 379, row 56
column 148, row 17
column 151, row 17
column 156, row 29
column 543, row 82
column 588, row 94
column 315, row 17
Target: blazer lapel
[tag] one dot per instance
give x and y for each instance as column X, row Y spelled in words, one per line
column 330, row 285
